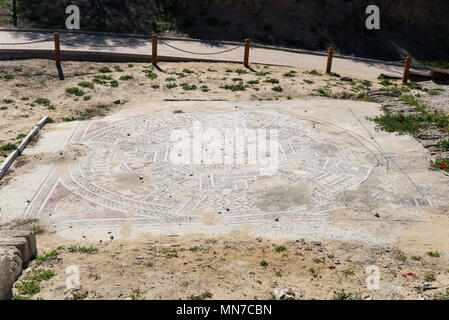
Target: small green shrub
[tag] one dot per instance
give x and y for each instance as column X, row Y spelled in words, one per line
column 75, row 91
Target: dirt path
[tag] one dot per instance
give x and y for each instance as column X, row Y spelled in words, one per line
column 83, row 42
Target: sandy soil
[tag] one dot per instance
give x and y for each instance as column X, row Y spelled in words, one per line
column 232, row 267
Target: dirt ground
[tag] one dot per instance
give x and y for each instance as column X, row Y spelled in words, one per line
column 31, row 89
column 235, row 266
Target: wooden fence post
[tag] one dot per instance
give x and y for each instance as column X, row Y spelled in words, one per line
column 57, row 50
column 330, row 56
column 406, row 75
column 154, row 53
column 14, row 13
column 246, row 57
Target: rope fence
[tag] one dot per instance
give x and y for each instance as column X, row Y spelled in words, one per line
column 200, row 53
column 155, row 40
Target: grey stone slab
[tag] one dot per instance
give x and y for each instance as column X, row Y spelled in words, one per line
column 28, row 235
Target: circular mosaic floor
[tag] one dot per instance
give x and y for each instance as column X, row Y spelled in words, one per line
column 128, row 173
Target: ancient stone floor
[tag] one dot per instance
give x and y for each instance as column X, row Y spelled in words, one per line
column 314, row 168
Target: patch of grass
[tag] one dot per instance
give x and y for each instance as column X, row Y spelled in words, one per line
column 313, row 272
column 290, row 74
column 235, row 87
column 433, row 254
column 385, row 82
column 125, row 78
column 135, row 296
column 75, row 91
column 263, row 263
column 277, row 89
column 308, row 81
column 401, row 124
column 442, row 296
column 367, row 83
column 323, row 92
column 262, row 73
column 114, row 84
column 8, row 147
column 85, row 114
column 313, row 73
column 82, row 249
column 8, row 101
column 46, row 256
column 79, row 295
column 280, row 248
column 38, row 230
column 87, row 98
column 415, row 258
column 411, row 100
column 42, row 101
column 29, row 288
column 318, row 260
column 444, row 143
column 104, row 70
column 241, row 71
column 253, row 82
column 39, row 275
column 401, row 257
column 188, row 71
column 204, row 88
column 348, row 272
column 429, row 277
column 333, row 74
column 155, row 86
column 86, row 84
column 201, row 296
column 435, row 92
column 343, row 295
column 20, row 137
column 188, row 87
column 150, row 74
column 102, row 79
column 413, row 85
column 8, row 77
column 171, row 85
column 441, row 164
column 170, row 252
column 272, row 80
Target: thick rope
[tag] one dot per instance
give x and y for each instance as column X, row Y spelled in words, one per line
column 200, row 53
